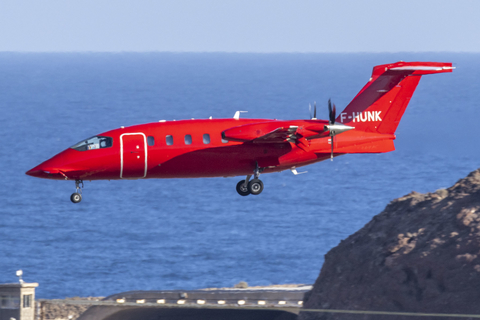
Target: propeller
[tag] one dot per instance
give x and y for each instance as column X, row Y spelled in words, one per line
column 332, row 111
column 314, row 111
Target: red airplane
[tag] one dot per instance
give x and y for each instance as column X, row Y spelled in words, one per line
column 244, row 147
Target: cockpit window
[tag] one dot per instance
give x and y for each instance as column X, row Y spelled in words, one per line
column 93, row 143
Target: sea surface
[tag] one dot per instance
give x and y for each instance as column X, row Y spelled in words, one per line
column 197, row 233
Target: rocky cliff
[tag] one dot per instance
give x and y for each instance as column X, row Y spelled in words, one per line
column 421, row 254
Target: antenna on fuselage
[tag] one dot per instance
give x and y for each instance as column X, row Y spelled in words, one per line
column 237, row 114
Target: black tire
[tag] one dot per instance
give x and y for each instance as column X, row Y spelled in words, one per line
column 255, row 187
column 76, row 197
column 242, row 189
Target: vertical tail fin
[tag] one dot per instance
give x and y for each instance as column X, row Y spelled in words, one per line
column 380, row 105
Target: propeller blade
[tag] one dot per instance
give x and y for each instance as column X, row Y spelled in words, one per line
column 310, row 110
column 331, row 112
column 315, row 110
column 331, row 142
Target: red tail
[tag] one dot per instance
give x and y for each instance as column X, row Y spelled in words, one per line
column 380, row 105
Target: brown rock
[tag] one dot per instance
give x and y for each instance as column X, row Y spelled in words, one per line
column 421, row 254
column 65, row 309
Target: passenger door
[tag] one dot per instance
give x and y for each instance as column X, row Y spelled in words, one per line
column 133, row 156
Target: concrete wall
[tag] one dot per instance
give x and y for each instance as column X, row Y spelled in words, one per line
column 125, row 313
column 184, row 305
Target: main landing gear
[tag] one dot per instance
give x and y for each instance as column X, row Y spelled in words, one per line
column 247, row 186
column 77, row 196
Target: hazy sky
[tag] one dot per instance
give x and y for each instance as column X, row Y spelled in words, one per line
column 240, row 25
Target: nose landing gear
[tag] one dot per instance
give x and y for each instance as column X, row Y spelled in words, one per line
column 77, row 196
column 255, row 186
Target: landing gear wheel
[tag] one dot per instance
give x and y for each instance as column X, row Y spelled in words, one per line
column 255, row 186
column 76, row 197
column 242, row 188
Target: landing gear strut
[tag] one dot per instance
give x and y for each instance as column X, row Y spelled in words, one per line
column 247, row 186
column 77, row 196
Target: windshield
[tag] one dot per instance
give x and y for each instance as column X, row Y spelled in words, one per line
column 93, row 143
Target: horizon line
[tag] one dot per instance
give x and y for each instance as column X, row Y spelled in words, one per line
column 237, row 52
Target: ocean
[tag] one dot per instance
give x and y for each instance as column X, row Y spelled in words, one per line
column 198, row 233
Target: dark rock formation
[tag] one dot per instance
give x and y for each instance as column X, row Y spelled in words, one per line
column 421, row 254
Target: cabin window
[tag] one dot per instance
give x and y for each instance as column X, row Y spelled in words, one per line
column 188, row 139
column 206, row 138
column 151, row 141
column 96, row 142
column 169, row 140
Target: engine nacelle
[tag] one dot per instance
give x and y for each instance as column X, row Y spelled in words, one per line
column 335, row 128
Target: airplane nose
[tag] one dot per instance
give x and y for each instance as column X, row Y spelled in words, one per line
column 34, row 172
column 41, row 172
column 47, row 169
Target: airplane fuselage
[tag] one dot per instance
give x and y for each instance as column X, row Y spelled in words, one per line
column 182, row 149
